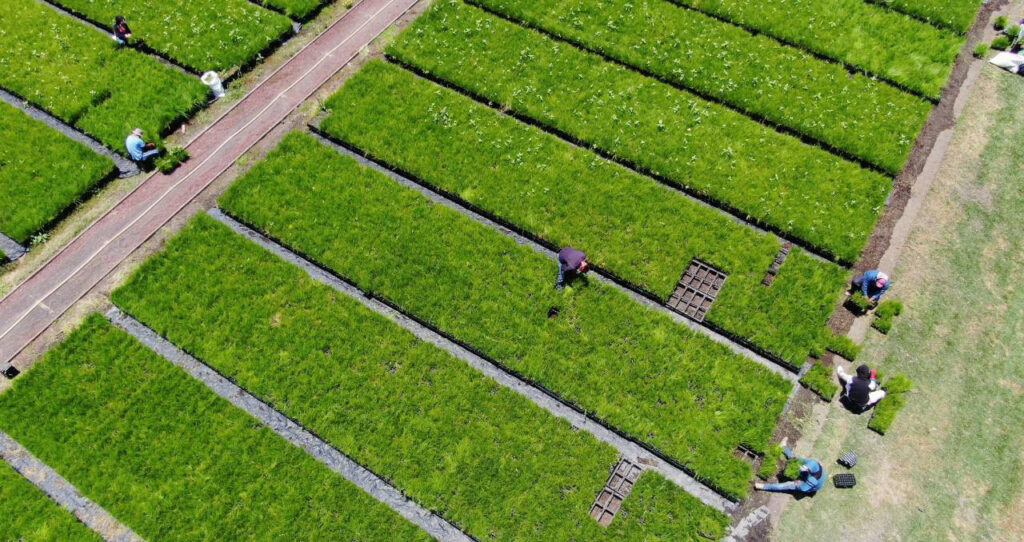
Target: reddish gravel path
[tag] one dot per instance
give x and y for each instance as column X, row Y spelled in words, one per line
column 35, row 304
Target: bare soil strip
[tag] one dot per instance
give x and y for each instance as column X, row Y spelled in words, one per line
column 11, row 248
column 291, row 431
column 126, row 167
column 63, row 493
column 628, row 448
column 606, row 277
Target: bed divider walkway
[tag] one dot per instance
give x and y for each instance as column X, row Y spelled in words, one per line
column 34, row 305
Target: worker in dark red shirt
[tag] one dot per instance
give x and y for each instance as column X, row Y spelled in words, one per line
column 121, row 30
column 571, row 263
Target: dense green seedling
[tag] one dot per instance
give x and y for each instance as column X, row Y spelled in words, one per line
column 886, row 409
column 42, row 172
column 172, row 460
column 860, row 116
column 30, row 516
column 296, row 9
column 79, row 75
column 776, row 179
column 637, row 369
column 886, row 312
column 569, row 196
column 201, row 34
column 911, row 53
column 444, row 434
column 955, row 15
column 842, row 345
column 770, row 462
column 820, row 380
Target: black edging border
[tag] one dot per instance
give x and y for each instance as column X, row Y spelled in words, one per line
column 271, row 405
column 806, row 139
column 726, row 208
column 610, row 275
column 547, row 391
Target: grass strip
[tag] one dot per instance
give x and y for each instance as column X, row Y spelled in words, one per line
column 299, row 10
column 79, row 76
column 776, row 179
column 173, row 460
column 885, row 411
column 201, row 34
column 568, row 196
column 496, row 464
column 870, row 120
column 42, row 173
column 30, row 516
column 955, row 15
column 820, row 380
column 912, row 53
column 634, row 368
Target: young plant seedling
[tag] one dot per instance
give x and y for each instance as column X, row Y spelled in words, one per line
column 885, row 314
column 819, row 380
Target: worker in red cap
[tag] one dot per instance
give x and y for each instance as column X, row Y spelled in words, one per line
column 571, row 263
column 872, row 284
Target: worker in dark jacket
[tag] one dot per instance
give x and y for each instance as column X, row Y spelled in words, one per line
column 862, row 390
column 872, row 284
column 811, row 480
column 571, row 263
column 121, row 31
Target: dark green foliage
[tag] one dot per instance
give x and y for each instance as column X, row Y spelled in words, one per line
column 42, row 173
column 172, row 460
column 796, row 188
column 171, row 159
column 1012, row 32
column 886, row 312
column 792, row 470
column 493, row 462
column 1001, row 22
column 1000, row 43
column 981, row 49
column 78, row 75
column 866, row 118
column 843, row 345
column 885, row 411
column 820, row 380
column 29, row 515
column 770, row 462
column 635, row 368
column 628, row 223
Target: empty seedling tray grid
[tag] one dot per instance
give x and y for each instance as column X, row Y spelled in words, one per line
column 697, row 290
column 619, row 485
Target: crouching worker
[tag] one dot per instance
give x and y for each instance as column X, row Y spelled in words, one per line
column 121, row 31
column 139, row 150
column 861, row 391
column 571, row 264
column 811, row 479
column 872, row 284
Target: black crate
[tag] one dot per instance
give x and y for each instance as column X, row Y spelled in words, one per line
column 848, row 460
column 844, row 480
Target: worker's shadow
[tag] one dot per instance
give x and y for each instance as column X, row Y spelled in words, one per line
column 852, row 408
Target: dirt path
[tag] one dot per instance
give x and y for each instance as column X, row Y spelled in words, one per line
column 34, row 305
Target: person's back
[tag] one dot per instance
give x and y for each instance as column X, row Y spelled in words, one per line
column 135, row 145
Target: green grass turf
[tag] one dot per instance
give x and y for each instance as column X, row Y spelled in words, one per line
column 42, row 173
column 494, row 463
column 171, row 459
column 778, row 180
column 30, row 516
column 637, row 369
column 568, row 196
column 856, row 114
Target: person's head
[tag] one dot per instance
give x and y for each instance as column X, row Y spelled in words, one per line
column 119, row 19
column 882, row 280
column 584, row 266
column 864, row 372
column 137, row 132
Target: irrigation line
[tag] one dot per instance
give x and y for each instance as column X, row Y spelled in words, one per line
column 546, row 399
column 126, row 167
column 11, row 248
column 291, row 431
column 545, row 248
column 211, row 155
column 720, row 206
column 63, row 492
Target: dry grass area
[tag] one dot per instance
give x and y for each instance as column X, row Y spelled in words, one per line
column 952, row 467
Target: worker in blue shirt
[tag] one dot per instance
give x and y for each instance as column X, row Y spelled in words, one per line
column 872, row 284
column 812, row 477
column 139, row 150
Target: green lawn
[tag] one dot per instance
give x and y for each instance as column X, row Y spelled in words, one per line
column 951, row 466
column 490, row 460
column 30, row 515
column 172, row 460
